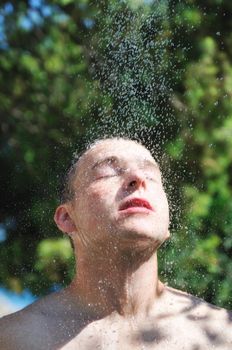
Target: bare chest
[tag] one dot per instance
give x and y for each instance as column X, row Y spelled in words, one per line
column 179, row 333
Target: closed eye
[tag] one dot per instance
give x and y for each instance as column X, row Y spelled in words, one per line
column 108, row 169
column 106, row 176
column 150, row 175
column 152, row 178
column 106, row 173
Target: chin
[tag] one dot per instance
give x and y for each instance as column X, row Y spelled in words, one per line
column 141, row 233
column 137, row 246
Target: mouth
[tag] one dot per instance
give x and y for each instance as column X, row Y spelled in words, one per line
column 136, row 205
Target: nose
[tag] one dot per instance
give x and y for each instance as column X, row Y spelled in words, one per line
column 134, row 179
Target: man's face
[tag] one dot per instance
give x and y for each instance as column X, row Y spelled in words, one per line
column 119, row 194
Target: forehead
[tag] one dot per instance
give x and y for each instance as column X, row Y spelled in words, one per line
column 125, row 150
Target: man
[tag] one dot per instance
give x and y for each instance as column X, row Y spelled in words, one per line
column 116, row 212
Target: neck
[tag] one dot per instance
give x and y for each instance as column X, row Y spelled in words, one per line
column 122, row 281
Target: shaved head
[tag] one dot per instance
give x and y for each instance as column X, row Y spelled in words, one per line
column 67, row 190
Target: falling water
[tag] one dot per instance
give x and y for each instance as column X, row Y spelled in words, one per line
column 133, row 72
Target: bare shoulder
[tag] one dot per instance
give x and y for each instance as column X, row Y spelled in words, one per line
column 191, row 302
column 195, row 309
column 23, row 327
column 46, row 324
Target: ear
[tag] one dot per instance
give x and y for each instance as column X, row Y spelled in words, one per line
column 63, row 219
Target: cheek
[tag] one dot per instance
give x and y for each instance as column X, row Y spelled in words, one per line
column 161, row 201
column 99, row 196
column 94, row 207
column 165, row 200
column 86, row 214
column 165, row 208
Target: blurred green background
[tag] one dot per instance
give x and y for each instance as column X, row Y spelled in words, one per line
column 159, row 71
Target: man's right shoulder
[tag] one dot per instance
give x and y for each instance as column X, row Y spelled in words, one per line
column 45, row 324
column 20, row 329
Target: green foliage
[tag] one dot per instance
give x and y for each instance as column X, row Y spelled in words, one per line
column 206, row 112
column 84, row 66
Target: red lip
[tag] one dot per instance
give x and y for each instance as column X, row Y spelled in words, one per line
column 136, row 203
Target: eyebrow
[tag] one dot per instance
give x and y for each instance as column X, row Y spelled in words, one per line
column 114, row 159
column 148, row 162
column 104, row 161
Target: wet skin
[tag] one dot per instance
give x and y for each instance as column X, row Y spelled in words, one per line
column 118, row 218
column 177, row 321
